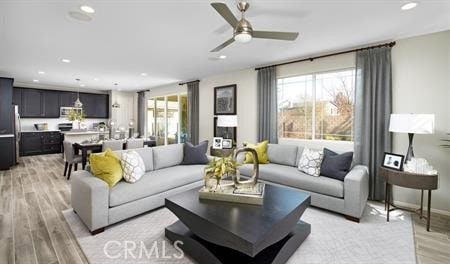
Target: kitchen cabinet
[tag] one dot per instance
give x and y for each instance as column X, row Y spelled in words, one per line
column 6, row 108
column 50, row 104
column 95, row 105
column 67, row 99
column 32, row 103
column 35, row 103
column 17, row 98
column 37, row 143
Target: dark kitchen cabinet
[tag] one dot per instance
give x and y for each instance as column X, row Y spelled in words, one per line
column 6, row 109
column 67, row 99
column 32, row 103
column 31, row 143
column 17, row 98
column 35, row 103
column 50, row 104
column 37, row 143
column 95, row 105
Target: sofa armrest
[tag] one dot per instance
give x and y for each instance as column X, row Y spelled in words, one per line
column 90, row 199
column 356, row 191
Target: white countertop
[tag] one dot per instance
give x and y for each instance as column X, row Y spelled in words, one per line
column 72, row 133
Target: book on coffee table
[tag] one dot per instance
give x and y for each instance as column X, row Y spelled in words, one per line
column 246, row 195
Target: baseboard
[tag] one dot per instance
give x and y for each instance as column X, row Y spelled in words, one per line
column 410, row 205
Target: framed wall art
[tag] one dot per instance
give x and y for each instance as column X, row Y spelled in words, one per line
column 225, row 100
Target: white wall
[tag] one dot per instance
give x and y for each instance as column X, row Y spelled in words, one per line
column 421, row 84
column 27, row 124
column 127, row 109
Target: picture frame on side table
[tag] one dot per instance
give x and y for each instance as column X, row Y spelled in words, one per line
column 217, row 143
column 224, row 132
column 225, row 100
column 227, row 143
column 393, row 161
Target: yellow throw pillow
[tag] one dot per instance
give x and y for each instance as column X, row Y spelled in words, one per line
column 107, row 167
column 261, row 151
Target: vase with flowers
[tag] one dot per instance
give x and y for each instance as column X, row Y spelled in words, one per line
column 76, row 116
column 218, row 169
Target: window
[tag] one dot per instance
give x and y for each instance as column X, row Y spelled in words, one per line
column 167, row 119
column 317, row 106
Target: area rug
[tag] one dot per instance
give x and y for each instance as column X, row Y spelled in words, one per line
column 333, row 239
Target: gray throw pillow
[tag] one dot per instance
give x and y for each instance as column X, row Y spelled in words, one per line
column 195, row 154
column 336, row 165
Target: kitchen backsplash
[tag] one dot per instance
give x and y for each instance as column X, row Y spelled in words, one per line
column 27, row 124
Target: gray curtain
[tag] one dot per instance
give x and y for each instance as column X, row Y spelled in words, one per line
column 267, row 105
column 141, row 113
column 373, row 106
column 193, row 111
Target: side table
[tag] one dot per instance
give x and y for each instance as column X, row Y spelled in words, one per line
column 221, row 152
column 409, row 180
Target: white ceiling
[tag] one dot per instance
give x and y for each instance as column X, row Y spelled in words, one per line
column 170, row 40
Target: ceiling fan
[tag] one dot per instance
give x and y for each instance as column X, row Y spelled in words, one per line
column 243, row 31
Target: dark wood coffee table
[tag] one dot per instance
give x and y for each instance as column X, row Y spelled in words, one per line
column 222, row 232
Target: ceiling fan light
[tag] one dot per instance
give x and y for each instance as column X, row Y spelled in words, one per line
column 243, row 37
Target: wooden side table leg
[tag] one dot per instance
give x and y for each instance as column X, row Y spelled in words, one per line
column 387, row 200
column 429, row 210
column 421, row 204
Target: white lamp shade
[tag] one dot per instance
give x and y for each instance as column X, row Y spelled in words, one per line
column 227, row 121
column 412, row 123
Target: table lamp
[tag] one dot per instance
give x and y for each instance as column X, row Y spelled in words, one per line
column 227, row 121
column 411, row 124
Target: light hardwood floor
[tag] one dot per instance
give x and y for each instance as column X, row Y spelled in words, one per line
column 33, row 229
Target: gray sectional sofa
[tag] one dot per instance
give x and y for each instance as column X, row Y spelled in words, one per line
column 347, row 197
column 99, row 206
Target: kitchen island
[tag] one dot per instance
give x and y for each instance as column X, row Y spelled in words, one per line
column 79, row 136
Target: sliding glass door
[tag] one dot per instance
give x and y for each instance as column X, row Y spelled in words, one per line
column 167, row 119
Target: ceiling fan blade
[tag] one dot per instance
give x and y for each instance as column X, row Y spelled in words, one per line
column 226, row 13
column 223, row 45
column 275, row 35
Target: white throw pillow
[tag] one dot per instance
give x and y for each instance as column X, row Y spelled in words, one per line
column 310, row 161
column 132, row 165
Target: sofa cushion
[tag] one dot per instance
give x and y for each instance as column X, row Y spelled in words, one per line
column 167, row 156
column 146, row 155
column 336, row 165
column 106, row 166
column 291, row 176
column 195, row 154
column 283, row 154
column 299, row 154
column 132, row 165
column 155, row 182
column 310, row 162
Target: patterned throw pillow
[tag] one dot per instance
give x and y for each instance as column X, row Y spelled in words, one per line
column 310, row 161
column 132, row 165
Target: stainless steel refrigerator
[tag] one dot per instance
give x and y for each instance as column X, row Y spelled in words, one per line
column 17, row 131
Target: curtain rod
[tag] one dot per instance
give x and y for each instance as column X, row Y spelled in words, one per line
column 183, row 83
column 390, row 44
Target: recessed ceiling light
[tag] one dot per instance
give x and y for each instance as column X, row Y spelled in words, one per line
column 96, row 79
column 82, row 85
column 87, row 9
column 144, row 74
column 409, row 6
column 65, row 60
column 35, row 80
column 222, row 57
column 41, row 72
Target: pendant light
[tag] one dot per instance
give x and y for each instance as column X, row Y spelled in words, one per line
column 78, row 103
